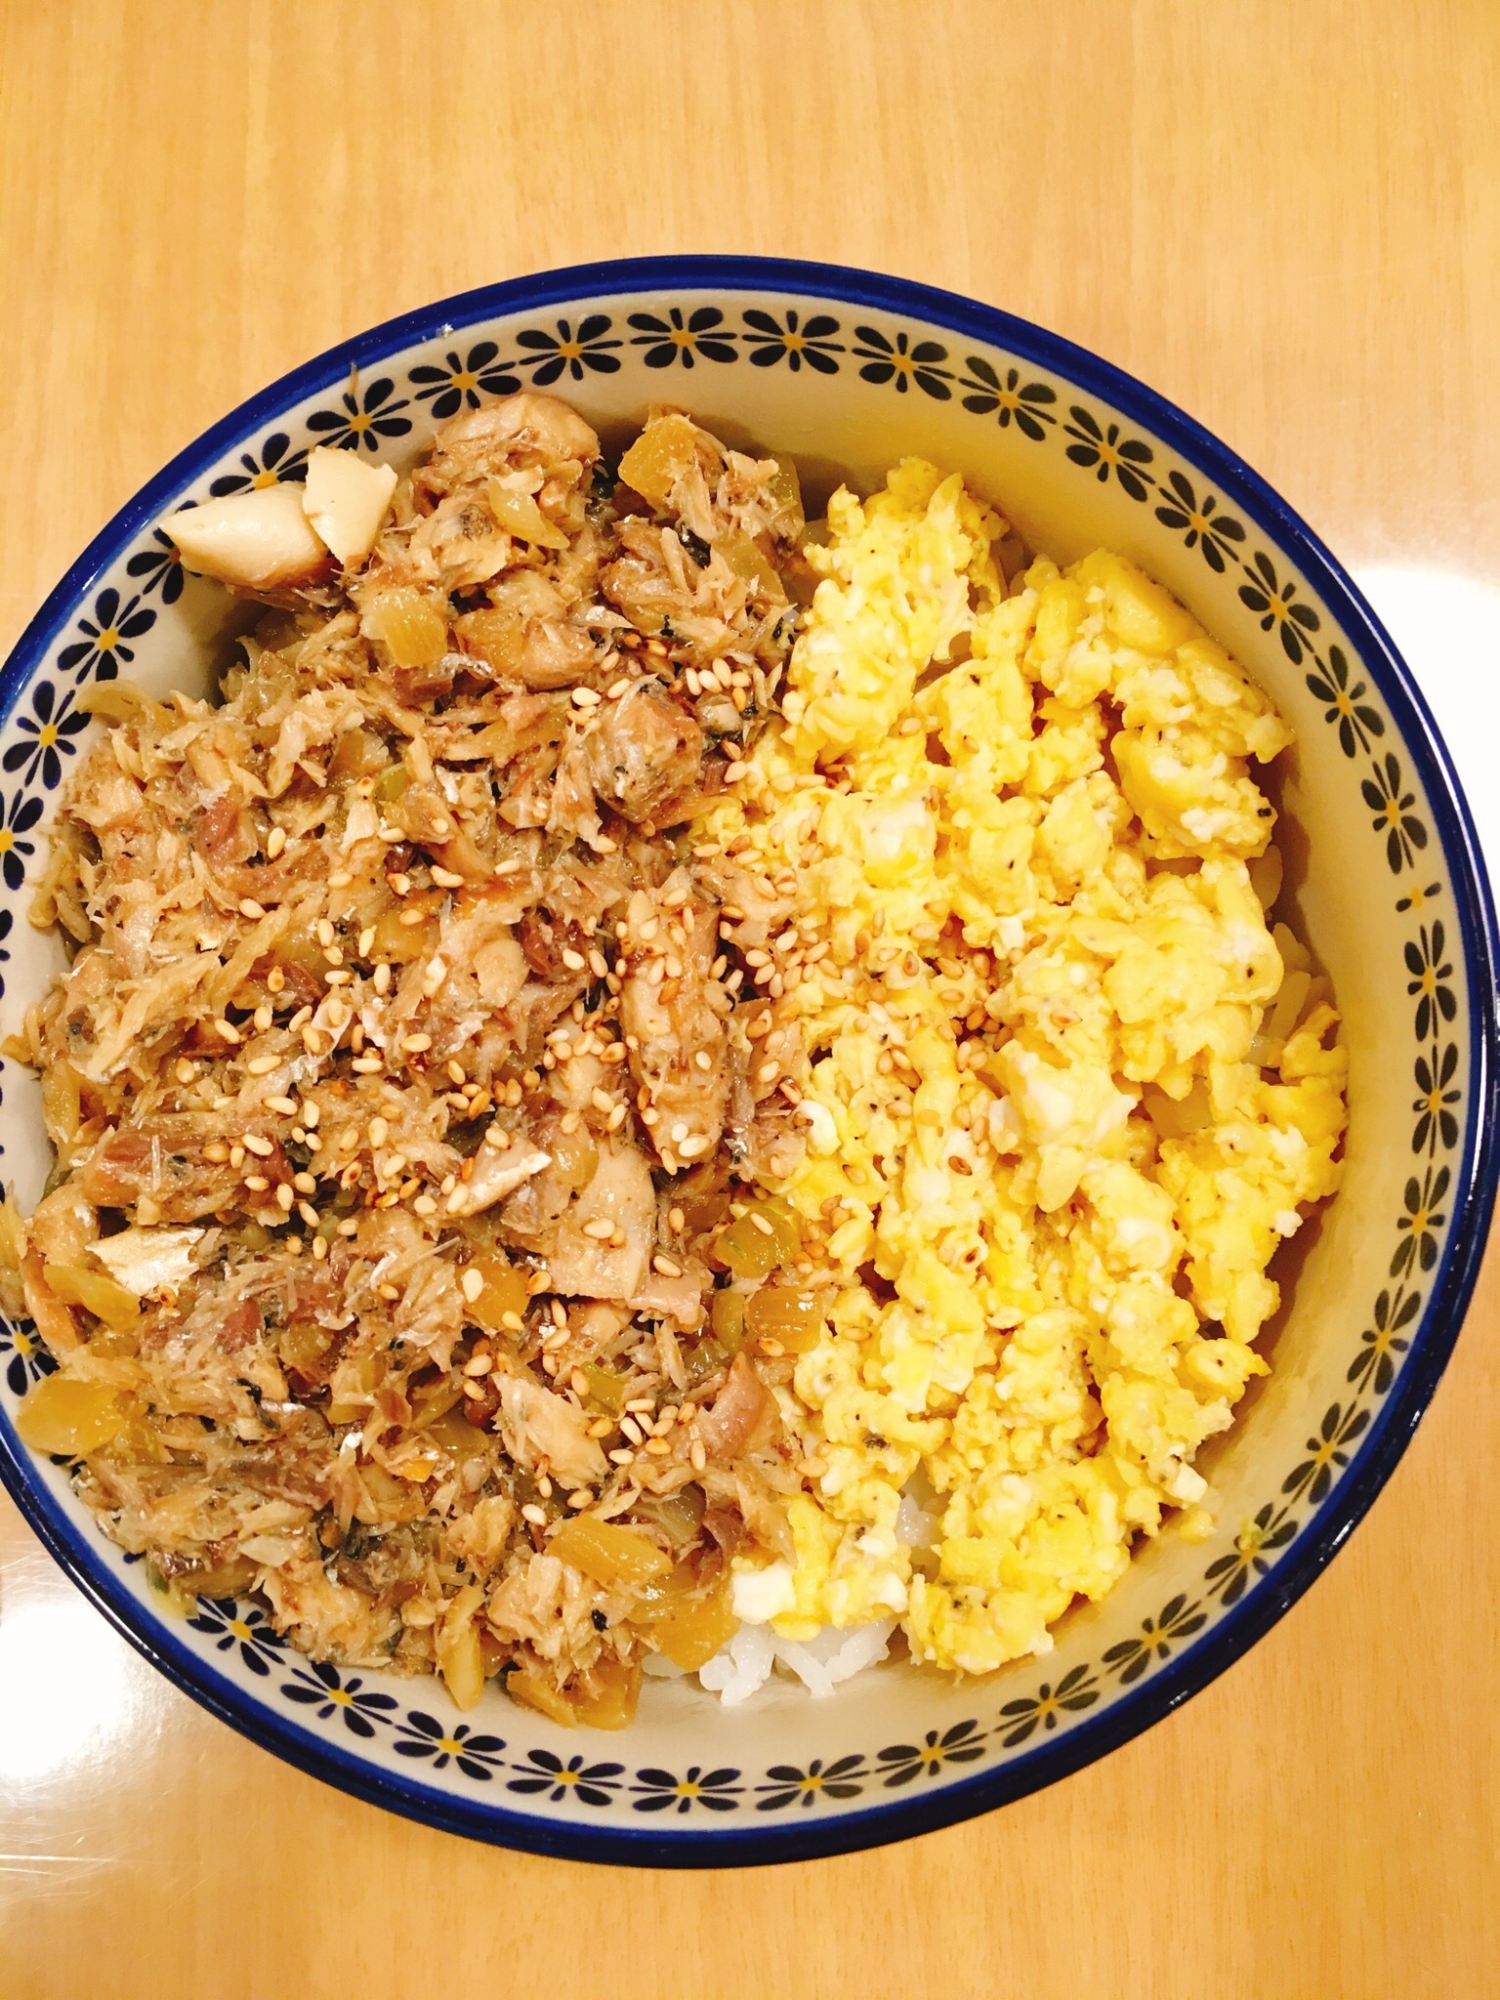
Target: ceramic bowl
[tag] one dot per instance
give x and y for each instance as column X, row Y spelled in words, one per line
column 850, row 371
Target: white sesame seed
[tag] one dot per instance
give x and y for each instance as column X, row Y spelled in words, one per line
column 536, row 1515
column 574, row 960
column 275, row 842
column 416, row 1044
column 262, row 1148
column 471, row 1284
column 446, row 879
column 230, row 1032
column 666, row 1267
column 250, row 908
column 285, row 1198
column 434, row 976
column 262, row 1065
column 692, row 1147
column 257, row 1183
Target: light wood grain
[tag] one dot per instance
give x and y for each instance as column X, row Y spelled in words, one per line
column 1287, row 217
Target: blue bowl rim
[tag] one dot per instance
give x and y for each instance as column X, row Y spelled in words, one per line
column 1201, row 1660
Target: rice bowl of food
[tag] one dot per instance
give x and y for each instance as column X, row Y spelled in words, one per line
column 709, row 1127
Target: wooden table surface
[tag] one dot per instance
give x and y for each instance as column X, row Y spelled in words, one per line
column 1283, row 213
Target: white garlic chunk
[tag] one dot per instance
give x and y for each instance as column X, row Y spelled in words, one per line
column 346, row 500
column 257, row 539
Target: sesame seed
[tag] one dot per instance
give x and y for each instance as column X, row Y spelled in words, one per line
column 657, row 1447
column 632, row 1430
column 536, row 1515
column 284, row 1107
column 348, row 1227
column 498, row 1137
column 434, row 976
column 236, row 1157
column 598, row 964
column 622, row 1458
column 667, row 1268
column 262, row 1148
column 768, row 1072
column 410, row 919
column 445, row 878
column 480, row 1365
column 615, row 1119
column 692, row 1147
column 257, row 1183
column 262, row 1065
column 735, row 771
column 304, row 1183
column 771, row 1348
column 250, row 908
column 601, row 1100
column 512, row 1322
column 458, row 1200
column 285, row 1198
column 679, row 1132
column 275, row 842
column 275, row 979
column 424, row 1205
column 699, row 1456
column 474, row 1391
column 216, row 1151
column 319, row 1249
column 326, row 932
column 580, row 1498
column 471, row 1284
column 601, row 1229
column 366, row 940
column 574, row 960
column 309, row 1214
column 382, row 979
column 456, row 1072
column 339, row 977
column 367, row 1065
column 416, row 1044
column 399, row 884
column 230, row 1032
column 759, row 1222
column 586, row 698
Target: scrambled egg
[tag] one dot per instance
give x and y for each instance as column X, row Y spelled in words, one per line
column 1068, row 1092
